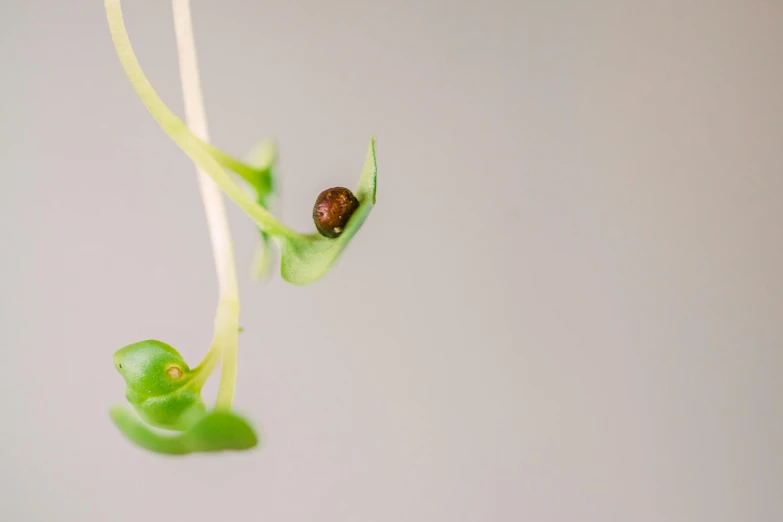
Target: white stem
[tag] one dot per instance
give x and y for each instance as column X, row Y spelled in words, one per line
column 196, row 118
column 226, row 320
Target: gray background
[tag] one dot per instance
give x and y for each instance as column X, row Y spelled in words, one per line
column 566, row 306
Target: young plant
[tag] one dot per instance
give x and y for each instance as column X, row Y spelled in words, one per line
column 170, row 416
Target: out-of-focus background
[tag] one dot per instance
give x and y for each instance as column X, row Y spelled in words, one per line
column 567, row 305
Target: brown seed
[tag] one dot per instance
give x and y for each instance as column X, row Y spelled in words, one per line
column 332, row 210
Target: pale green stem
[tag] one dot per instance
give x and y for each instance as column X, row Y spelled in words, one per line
column 226, row 336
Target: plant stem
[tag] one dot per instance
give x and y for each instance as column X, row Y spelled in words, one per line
column 226, row 336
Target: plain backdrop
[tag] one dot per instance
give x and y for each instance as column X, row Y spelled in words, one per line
column 566, row 306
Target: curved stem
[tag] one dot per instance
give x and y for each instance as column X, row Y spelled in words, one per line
column 179, row 132
column 226, row 337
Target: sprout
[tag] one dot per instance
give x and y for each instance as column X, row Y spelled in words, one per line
column 305, row 258
column 163, row 390
column 166, row 394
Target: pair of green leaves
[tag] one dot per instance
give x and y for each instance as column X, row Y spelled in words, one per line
column 163, row 390
column 166, row 394
column 216, row 431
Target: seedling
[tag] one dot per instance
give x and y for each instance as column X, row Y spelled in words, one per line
column 169, row 415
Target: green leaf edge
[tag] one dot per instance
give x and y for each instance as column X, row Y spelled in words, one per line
column 297, row 266
column 215, row 431
column 265, row 185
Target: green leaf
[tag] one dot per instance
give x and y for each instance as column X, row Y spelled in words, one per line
column 215, row 431
column 219, row 431
column 305, row 258
column 159, row 383
column 263, row 159
column 265, row 187
column 143, row 436
column 257, row 172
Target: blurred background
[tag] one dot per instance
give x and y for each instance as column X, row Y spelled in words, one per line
column 566, row 306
